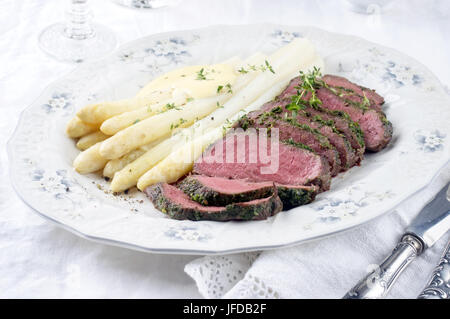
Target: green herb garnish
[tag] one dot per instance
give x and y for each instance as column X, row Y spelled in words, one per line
column 180, row 122
column 366, row 101
column 309, row 82
column 269, row 67
column 171, row 106
column 201, row 75
column 263, row 67
column 242, row 70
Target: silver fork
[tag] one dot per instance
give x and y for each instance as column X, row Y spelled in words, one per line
column 438, row 286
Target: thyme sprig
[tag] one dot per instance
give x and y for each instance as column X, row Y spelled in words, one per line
column 227, row 86
column 263, row 67
column 176, row 125
column 309, row 83
column 269, row 67
column 201, row 75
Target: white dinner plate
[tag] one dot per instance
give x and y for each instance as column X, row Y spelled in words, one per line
column 41, row 155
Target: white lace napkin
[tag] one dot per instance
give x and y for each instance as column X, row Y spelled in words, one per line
column 325, row 268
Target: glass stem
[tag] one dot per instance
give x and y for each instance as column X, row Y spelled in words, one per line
column 78, row 24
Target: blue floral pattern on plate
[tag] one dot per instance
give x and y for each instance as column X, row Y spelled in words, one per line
column 188, row 233
column 58, row 101
column 282, row 37
column 164, row 52
column 430, row 141
column 352, row 200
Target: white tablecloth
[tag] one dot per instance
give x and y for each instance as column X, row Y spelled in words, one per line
column 38, row 259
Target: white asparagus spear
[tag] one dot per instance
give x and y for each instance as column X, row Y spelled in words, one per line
column 90, row 139
column 157, row 126
column 179, row 162
column 117, row 164
column 119, row 122
column 100, row 112
column 128, row 176
column 89, row 160
column 77, row 128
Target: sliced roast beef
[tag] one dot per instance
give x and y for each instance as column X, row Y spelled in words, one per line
column 290, row 128
column 176, row 204
column 287, row 163
column 377, row 129
column 315, row 121
column 339, row 121
column 292, row 89
column 354, row 91
column 219, row 191
column 344, row 124
column 293, row 195
column 343, row 88
column 347, row 154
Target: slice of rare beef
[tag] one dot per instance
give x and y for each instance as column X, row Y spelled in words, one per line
column 377, row 129
column 346, row 126
column 219, row 191
column 342, row 87
column 348, row 88
column 347, row 154
column 287, row 163
column 339, row 121
column 176, row 204
column 290, row 129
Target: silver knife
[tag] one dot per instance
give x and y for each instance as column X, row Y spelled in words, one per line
column 428, row 226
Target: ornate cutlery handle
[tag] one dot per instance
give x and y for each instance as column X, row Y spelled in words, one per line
column 379, row 282
column 439, row 285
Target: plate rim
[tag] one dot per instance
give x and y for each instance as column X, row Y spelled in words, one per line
column 182, row 251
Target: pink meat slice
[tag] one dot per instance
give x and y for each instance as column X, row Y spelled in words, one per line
column 230, row 186
column 338, row 81
column 292, row 165
column 177, row 205
column 377, row 130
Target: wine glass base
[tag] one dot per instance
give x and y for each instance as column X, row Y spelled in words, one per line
column 54, row 42
column 145, row 4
